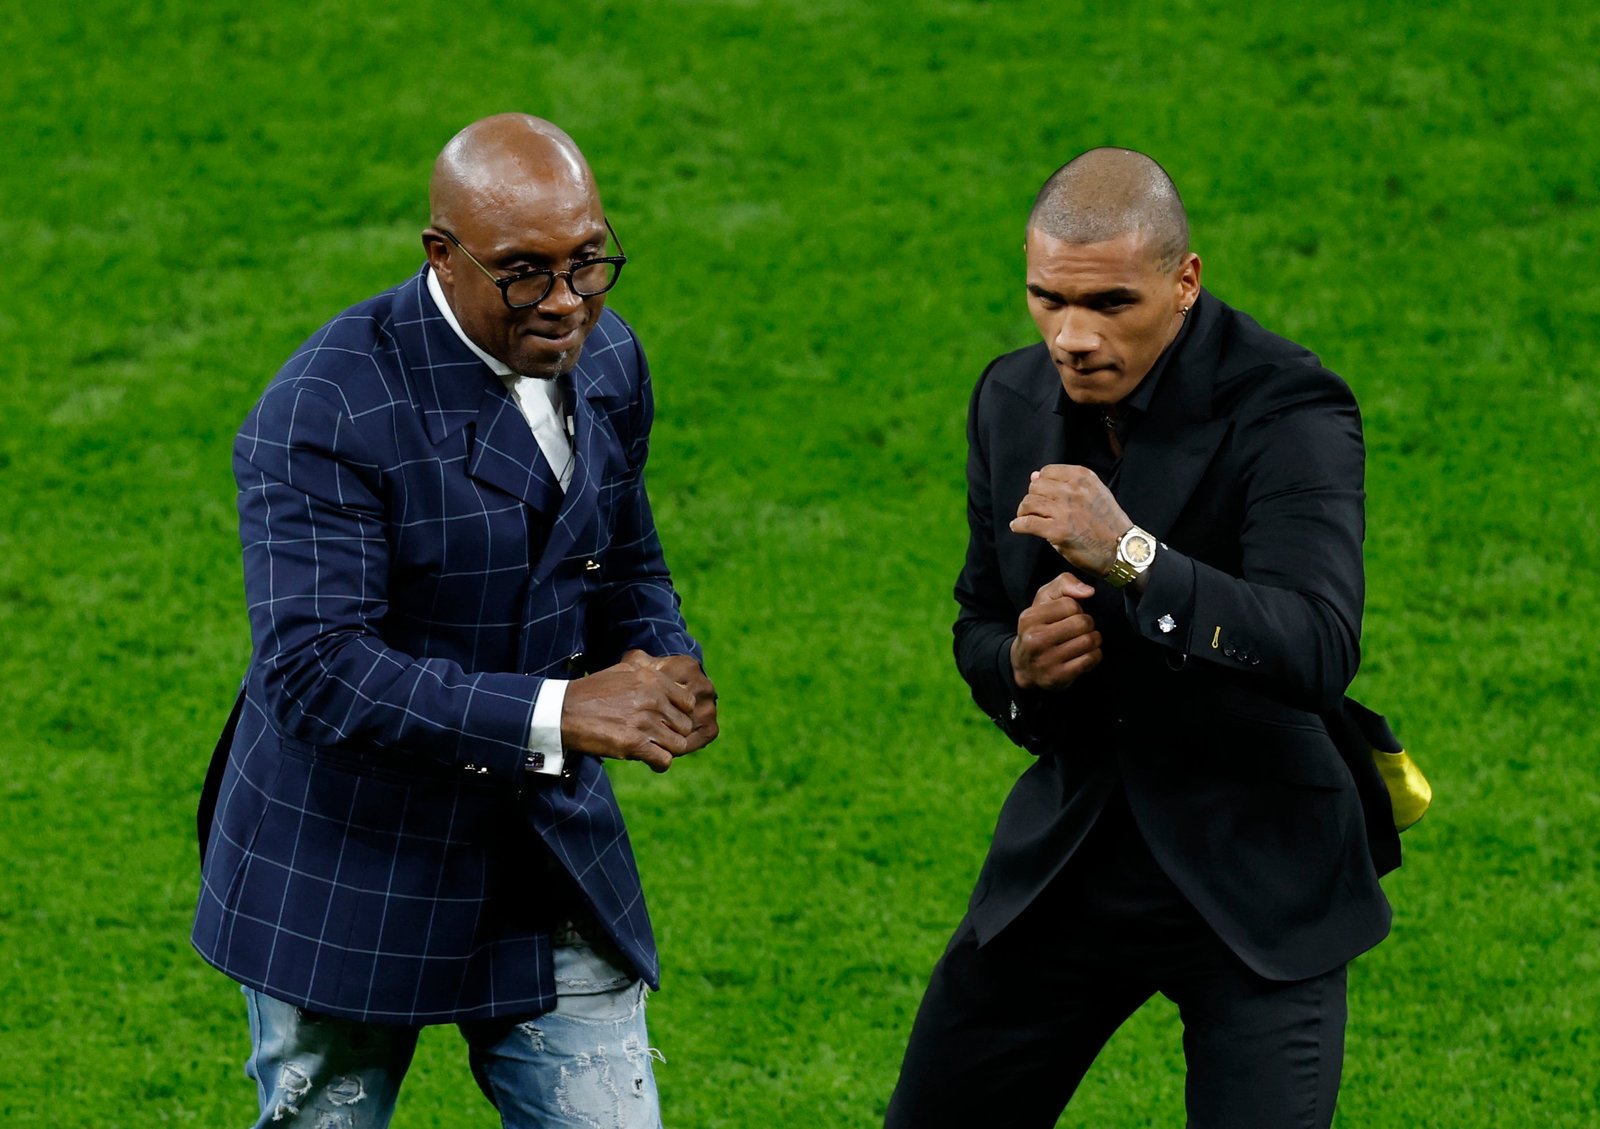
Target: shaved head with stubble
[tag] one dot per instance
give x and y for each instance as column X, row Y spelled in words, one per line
column 1110, row 273
column 510, row 194
column 1104, row 193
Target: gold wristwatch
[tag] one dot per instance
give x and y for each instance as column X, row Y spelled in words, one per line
column 1135, row 552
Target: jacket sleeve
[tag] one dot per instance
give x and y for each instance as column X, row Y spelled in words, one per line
column 314, row 531
column 636, row 605
column 986, row 622
column 1288, row 624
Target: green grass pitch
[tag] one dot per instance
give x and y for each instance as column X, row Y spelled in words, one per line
column 823, row 203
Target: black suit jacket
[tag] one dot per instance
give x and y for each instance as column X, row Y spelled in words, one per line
column 1208, row 705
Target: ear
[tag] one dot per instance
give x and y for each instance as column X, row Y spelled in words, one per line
column 437, row 248
column 1189, row 280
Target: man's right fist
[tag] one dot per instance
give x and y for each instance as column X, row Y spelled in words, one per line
column 631, row 712
column 1056, row 641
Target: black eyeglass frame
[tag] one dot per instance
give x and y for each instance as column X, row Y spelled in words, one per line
column 504, row 285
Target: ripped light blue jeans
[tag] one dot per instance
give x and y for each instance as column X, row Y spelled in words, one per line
column 585, row 1064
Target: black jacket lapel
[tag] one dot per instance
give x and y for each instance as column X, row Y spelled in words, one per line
column 1167, row 454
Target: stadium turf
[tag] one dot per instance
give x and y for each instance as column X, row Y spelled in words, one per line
column 822, row 203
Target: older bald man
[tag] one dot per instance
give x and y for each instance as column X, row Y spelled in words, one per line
column 458, row 606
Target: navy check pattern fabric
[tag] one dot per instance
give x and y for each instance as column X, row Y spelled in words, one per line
column 413, row 572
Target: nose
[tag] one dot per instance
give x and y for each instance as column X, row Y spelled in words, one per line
column 562, row 299
column 1076, row 333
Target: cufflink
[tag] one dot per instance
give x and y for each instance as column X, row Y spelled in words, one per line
column 536, row 763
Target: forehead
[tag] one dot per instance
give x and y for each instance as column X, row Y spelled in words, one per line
column 1068, row 269
column 535, row 217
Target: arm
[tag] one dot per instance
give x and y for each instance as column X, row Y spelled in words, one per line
column 636, row 616
column 314, row 528
column 1015, row 664
column 1289, row 622
column 636, row 606
column 316, row 566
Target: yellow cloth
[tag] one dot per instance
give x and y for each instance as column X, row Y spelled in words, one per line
column 1409, row 791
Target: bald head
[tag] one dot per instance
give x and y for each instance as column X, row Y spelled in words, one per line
column 1107, row 193
column 498, row 161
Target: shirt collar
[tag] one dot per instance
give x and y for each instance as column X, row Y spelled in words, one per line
column 499, row 368
column 1139, row 399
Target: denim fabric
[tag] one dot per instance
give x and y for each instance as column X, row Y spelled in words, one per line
column 586, row 1064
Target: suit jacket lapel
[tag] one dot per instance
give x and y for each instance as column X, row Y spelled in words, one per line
column 1167, row 454
column 505, row 454
column 454, row 388
column 1162, row 466
column 579, row 509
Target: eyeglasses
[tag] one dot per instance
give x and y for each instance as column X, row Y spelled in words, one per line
column 586, row 277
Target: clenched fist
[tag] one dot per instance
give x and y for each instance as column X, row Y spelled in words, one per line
column 1072, row 509
column 643, row 708
column 1056, row 641
column 688, row 673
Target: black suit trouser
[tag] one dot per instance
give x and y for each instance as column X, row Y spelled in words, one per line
column 1006, row 1031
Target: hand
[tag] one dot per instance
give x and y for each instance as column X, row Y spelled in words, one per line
column 1056, row 641
column 1070, row 507
column 629, row 712
column 688, row 673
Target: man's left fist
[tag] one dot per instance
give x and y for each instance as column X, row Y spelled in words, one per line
column 686, row 672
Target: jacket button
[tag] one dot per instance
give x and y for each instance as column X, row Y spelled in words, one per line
column 1229, row 651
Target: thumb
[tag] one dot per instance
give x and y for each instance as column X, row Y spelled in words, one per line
column 1067, row 585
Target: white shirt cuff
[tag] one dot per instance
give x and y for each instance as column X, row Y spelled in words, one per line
column 544, row 735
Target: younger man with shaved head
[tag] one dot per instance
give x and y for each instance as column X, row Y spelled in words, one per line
column 1161, row 600
column 458, row 605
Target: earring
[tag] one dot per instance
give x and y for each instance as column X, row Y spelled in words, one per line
column 1184, row 312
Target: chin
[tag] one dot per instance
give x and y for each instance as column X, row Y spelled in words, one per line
column 548, row 366
column 1088, row 394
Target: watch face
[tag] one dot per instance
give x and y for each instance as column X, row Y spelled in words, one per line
column 1138, row 550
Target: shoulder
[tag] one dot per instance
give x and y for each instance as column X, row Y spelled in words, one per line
column 351, row 358
column 1263, row 374
column 612, row 366
column 349, row 369
column 1022, row 379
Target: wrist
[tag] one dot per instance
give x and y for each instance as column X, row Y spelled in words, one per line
column 1136, row 552
column 547, row 754
column 1019, row 674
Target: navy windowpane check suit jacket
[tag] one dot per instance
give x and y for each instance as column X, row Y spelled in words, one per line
column 413, row 572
